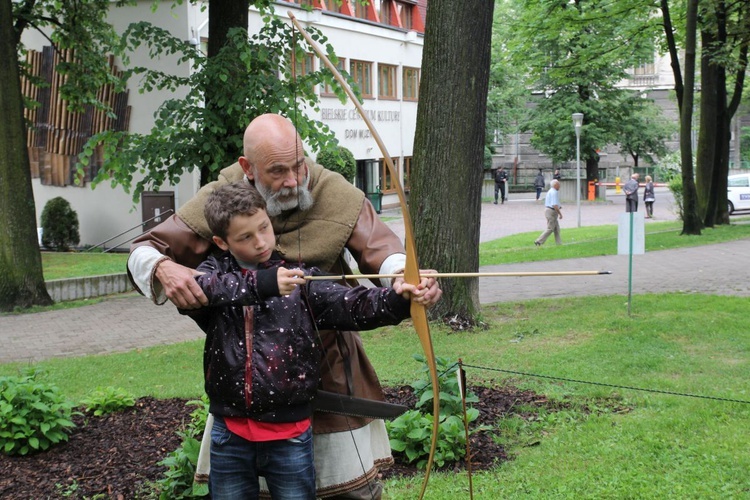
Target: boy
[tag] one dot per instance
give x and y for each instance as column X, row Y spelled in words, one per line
column 262, row 354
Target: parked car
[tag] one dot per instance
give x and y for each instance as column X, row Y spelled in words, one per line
column 738, row 192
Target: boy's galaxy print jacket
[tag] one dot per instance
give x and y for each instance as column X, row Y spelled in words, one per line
column 262, row 354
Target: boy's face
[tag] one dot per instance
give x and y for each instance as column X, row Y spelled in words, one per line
column 250, row 238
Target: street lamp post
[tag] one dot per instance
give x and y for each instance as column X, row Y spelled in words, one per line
column 577, row 124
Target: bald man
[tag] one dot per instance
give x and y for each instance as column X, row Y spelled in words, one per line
column 317, row 216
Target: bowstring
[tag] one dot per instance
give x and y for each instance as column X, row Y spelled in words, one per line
column 304, row 288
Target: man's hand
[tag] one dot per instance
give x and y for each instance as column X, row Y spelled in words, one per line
column 427, row 292
column 288, row 279
column 179, row 285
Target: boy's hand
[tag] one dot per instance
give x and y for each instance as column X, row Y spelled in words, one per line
column 288, row 279
column 427, row 292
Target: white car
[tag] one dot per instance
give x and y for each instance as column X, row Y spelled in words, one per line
column 738, row 192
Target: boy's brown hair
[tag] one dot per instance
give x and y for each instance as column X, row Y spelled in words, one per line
column 229, row 201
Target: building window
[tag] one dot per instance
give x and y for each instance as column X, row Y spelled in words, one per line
column 645, row 69
column 303, row 2
column 304, row 64
column 411, row 84
column 327, row 88
column 406, row 16
column 387, row 81
column 387, row 181
column 360, row 8
column 385, row 13
column 361, row 72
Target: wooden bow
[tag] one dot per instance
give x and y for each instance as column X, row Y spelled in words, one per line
column 411, row 271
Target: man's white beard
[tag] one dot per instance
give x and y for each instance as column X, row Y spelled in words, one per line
column 298, row 196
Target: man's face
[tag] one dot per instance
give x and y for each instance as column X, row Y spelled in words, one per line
column 280, row 175
column 250, row 238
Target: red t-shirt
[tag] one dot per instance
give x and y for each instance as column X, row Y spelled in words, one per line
column 255, row 431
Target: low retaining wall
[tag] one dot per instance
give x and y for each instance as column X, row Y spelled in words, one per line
column 88, row 287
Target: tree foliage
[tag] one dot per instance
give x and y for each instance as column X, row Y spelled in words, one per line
column 507, row 93
column 249, row 76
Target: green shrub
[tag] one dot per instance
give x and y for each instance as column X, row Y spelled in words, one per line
column 33, row 415
column 59, row 225
column 675, row 185
column 108, row 400
column 411, row 433
column 181, row 463
column 339, row 159
column 450, row 397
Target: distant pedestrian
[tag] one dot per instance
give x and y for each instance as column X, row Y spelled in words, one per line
column 631, row 193
column 552, row 213
column 539, row 184
column 648, row 197
column 501, row 179
column 557, row 175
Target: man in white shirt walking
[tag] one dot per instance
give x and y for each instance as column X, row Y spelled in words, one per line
column 552, row 213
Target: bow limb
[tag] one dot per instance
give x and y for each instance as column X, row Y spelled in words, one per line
column 411, row 271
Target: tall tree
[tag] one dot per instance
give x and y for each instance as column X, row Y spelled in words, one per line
column 684, row 89
column 22, row 282
column 725, row 37
column 644, row 132
column 448, row 147
column 80, row 26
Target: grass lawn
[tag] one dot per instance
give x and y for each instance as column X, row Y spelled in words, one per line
column 59, row 265
column 594, row 241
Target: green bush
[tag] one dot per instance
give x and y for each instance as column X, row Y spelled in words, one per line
column 411, row 433
column 33, row 415
column 59, row 225
column 108, row 400
column 181, row 463
column 339, row 159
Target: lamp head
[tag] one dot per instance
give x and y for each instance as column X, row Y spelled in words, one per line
column 577, row 120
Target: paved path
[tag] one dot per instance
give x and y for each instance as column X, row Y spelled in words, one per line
column 131, row 321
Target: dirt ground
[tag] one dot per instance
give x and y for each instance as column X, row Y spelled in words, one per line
column 116, row 456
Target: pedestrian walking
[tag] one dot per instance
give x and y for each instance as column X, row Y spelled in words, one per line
column 501, row 179
column 552, row 213
column 539, row 184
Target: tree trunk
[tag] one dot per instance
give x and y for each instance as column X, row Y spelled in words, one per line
column 708, row 139
column 446, row 191
column 223, row 15
column 691, row 222
column 21, row 278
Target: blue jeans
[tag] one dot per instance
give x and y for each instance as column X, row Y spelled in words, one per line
column 287, row 466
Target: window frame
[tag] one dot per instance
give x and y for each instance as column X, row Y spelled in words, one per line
column 387, row 183
column 406, row 96
column 326, row 90
column 355, row 72
column 391, row 78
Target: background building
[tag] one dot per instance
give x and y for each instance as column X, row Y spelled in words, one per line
column 379, row 44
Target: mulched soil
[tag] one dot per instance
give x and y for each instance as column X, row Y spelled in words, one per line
column 116, row 456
